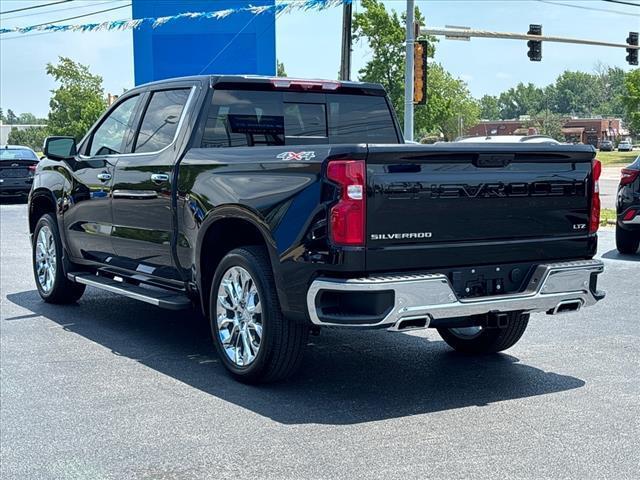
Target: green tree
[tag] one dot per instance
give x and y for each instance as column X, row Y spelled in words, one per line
column 385, row 34
column 631, row 100
column 79, row 100
column 521, row 100
column 27, row 119
column 32, row 137
column 449, row 104
column 2, row 119
column 577, row 93
column 450, row 108
column 12, row 119
column 611, row 84
column 547, row 123
column 280, row 71
column 489, row 109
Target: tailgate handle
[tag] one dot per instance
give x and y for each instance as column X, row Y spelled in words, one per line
column 494, row 160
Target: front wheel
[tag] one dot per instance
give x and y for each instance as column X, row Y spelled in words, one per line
column 255, row 342
column 53, row 285
column 627, row 242
column 480, row 340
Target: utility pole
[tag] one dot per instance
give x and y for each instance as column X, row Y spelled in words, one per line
column 408, row 74
column 345, row 58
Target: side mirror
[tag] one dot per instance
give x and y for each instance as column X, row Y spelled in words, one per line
column 59, row 148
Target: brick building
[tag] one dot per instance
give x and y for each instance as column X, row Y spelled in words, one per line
column 591, row 130
column 581, row 130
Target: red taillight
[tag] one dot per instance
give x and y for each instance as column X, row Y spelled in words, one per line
column 594, row 219
column 628, row 176
column 347, row 222
column 32, row 168
column 629, row 215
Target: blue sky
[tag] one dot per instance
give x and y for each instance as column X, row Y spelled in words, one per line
column 309, row 44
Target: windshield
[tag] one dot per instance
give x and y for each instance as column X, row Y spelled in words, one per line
column 17, row 154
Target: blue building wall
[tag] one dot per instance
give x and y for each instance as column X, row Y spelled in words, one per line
column 240, row 43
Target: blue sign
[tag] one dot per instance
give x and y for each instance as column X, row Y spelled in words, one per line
column 242, row 43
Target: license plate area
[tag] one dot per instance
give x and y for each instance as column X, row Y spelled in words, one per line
column 483, row 281
column 14, row 173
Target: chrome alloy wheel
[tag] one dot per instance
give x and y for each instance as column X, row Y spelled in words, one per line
column 46, row 259
column 239, row 316
column 466, row 333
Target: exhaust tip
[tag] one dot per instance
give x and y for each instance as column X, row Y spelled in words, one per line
column 567, row 306
column 411, row 323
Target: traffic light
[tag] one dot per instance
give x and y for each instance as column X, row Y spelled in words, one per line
column 535, row 46
column 420, row 72
column 632, row 53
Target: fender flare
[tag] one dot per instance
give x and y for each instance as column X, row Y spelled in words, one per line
column 238, row 212
column 44, row 192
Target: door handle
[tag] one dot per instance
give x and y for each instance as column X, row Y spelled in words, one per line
column 104, row 176
column 159, row 177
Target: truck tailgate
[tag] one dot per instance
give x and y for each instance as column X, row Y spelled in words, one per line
column 473, row 204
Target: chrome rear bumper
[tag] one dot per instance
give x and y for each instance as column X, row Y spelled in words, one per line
column 553, row 288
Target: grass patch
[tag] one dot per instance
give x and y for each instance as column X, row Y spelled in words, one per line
column 607, row 215
column 616, row 158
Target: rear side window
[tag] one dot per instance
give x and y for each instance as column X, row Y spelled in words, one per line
column 360, row 119
column 243, row 118
column 160, row 121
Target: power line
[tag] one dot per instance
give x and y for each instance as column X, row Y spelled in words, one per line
column 34, row 6
column 623, row 3
column 618, row 12
column 90, row 5
column 227, row 45
column 236, row 36
column 80, row 16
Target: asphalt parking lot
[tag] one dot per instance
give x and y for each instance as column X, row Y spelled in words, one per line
column 112, row 388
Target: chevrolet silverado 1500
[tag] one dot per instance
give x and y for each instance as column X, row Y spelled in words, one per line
column 281, row 206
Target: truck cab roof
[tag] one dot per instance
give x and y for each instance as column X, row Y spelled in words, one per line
column 269, row 82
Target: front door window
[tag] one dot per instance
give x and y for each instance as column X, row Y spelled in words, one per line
column 109, row 137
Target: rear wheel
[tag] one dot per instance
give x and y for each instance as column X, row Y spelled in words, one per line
column 256, row 343
column 627, row 242
column 480, row 340
column 53, row 285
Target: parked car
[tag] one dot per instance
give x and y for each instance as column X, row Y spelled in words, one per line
column 625, row 146
column 281, row 206
column 17, row 166
column 606, row 146
column 628, row 209
column 509, row 139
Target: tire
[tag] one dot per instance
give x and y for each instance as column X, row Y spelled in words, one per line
column 486, row 340
column 53, row 285
column 627, row 242
column 253, row 322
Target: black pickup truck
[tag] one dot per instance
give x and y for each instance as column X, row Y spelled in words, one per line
column 280, row 206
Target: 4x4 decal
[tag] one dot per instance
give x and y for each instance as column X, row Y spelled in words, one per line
column 296, row 155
